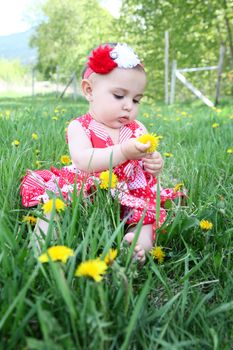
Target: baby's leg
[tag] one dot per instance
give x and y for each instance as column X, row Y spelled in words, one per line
column 144, row 242
column 40, row 232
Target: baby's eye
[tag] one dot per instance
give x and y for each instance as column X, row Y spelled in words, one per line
column 136, row 101
column 118, row 97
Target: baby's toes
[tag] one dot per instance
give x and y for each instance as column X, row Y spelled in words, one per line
column 137, row 248
column 141, row 259
column 129, row 237
column 139, row 255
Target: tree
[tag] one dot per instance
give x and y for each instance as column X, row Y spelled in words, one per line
column 197, row 29
column 68, row 33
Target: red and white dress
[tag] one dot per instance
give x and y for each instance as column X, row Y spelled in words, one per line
column 136, row 189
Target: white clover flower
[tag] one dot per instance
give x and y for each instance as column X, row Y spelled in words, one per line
column 124, row 56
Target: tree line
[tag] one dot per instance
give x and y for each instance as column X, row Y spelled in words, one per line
column 197, row 29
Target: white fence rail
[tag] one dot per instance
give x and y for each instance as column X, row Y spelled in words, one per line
column 176, row 73
column 192, row 88
column 198, row 69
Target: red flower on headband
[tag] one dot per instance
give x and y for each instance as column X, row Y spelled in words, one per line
column 100, row 61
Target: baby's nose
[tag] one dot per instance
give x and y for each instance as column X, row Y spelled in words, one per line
column 128, row 104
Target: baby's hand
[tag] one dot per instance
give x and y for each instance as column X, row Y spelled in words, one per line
column 153, row 163
column 132, row 149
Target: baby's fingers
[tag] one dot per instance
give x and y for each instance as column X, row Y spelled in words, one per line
column 158, row 163
column 152, row 166
column 142, row 147
column 154, row 155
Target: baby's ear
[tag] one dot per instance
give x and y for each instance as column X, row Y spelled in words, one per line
column 86, row 86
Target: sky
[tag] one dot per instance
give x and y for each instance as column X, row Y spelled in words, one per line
column 14, row 14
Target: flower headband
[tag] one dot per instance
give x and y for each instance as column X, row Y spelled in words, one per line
column 105, row 58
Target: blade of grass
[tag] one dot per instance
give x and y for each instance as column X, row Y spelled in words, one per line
column 225, row 307
column 135, row 314
column 19, row 297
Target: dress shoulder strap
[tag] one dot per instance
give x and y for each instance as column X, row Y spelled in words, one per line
column 137, row 128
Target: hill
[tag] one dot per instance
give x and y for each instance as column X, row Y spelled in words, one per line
column 16, row 46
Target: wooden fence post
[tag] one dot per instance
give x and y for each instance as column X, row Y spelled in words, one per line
column 33, row 80
column 173, row 82
column 75, row 91
column 57, row 79
column 166, row 68
column 220, row 66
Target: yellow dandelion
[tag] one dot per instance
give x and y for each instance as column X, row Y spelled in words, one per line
column 54, row 118
column 152, row 138
column 178, row 119
column 178, row 186
column 230, row 150
column 231, row 116
column 205, row 225
column 110, row 256
column 95, row 269
column 105, row 180
column 7, row 113
column 30, row 219
column 48, row 206
column 158, row 254
column 145, row 115
column 34, row 136
column 56, row 110
column 184, row 113
column 38, row 163
column 168, row 155
column 15, row 143
column 215, row 125
column 55, row 253
column 37, row 152
column 65, row 159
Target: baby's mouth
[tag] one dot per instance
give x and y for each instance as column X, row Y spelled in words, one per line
column 124, row 120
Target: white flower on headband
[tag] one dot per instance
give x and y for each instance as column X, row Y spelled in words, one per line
column 124, row 56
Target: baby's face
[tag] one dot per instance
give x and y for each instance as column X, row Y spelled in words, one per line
column 116, row 96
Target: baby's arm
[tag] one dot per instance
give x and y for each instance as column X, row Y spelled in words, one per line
column 90, row 159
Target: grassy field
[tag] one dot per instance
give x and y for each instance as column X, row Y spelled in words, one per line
column 184, row 302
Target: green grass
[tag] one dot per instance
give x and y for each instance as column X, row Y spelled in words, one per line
column 184, row 303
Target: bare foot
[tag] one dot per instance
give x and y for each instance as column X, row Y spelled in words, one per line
column 144, row 242
column 139, row 252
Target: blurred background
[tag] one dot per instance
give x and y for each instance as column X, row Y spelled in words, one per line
column 44, row 43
